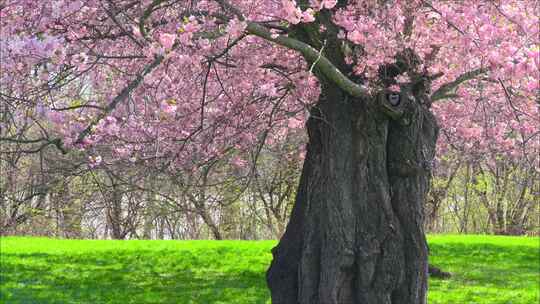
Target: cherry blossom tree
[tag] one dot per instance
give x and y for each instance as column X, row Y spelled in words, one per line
column 184, row 82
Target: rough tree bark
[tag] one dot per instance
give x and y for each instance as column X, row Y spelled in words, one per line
column 355, row 233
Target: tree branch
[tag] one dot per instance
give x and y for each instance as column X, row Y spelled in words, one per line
column 312, row 55
column 124, row 94
column 447, row 89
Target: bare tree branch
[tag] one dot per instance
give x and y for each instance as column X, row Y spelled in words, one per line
column 447, row 89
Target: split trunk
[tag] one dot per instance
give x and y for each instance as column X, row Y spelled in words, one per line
column 356, row 231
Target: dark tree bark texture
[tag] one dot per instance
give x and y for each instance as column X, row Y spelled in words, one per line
column 356, row 231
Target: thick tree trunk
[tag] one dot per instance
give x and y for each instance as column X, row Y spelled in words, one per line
column 355, row 233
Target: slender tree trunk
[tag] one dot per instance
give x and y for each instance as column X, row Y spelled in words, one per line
column 150, row 209
column 149, row 216
column 355, row 233
column 114, row 213
column 214, row 229
column 464, row 223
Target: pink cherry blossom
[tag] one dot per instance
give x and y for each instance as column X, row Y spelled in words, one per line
column 231, row 87
column 167, row 40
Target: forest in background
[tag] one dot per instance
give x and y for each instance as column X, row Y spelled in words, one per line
column 45, row 193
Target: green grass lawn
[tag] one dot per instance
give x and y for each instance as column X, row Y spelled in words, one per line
column 486, row 269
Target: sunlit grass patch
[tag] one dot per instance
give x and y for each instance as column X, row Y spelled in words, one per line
column 486, row 269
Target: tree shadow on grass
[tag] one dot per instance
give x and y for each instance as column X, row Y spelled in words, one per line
column 124, row 276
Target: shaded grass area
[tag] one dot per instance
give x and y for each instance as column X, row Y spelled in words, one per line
column 486, row 269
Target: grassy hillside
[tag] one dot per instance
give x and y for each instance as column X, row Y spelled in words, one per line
column 490, row 270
